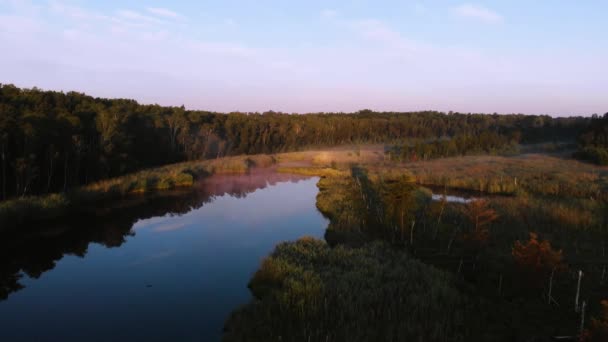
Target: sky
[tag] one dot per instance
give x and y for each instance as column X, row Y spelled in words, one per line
column 535, row 57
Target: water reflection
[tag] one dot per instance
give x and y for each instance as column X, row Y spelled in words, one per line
column 452, row 195
column 37, row 249
column 452, row 198
column 170, row 266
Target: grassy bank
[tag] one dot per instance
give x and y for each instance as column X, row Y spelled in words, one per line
column 22, row 211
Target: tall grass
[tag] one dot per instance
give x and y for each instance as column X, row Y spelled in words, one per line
column 307, row 291
column 535, row 174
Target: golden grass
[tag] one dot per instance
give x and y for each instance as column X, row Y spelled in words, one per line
column 534, row 173
column 338, row 156
column 314, row 171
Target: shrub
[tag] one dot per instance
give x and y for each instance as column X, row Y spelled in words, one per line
column 597, row 155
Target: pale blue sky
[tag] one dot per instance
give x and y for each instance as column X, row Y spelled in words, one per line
column 306, row 56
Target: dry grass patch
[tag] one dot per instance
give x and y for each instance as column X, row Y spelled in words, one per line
column 534, row 173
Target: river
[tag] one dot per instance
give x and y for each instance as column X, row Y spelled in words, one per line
column 166, row 267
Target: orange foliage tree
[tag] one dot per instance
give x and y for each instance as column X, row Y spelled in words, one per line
column 480, row 215
column 537, row 257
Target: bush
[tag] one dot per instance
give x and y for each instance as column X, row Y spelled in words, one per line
column 16, row 212
column 597, row 155
column 183, row 179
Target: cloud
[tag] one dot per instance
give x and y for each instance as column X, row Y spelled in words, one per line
column 74, row 12
column 375, row 30
column 329, row 13
column 163, row 12
column 230, row 22
column 170, row 227
column 16, row 24
column 137, row 18
column 138, row 54
column 478, row 12
column 420, row 9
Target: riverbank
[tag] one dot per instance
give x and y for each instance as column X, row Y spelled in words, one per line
column 25, row 211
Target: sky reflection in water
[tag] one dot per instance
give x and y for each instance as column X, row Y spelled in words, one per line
column 177, row 278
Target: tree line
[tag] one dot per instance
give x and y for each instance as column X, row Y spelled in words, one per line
column 460, row 145
column 593, row 143
column 51, row 141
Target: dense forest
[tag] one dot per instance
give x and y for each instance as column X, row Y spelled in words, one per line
column 594, row 141
column 51, row 141
column 460, row 145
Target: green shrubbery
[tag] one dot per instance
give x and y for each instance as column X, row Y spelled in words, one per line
column 308, row 291
column 597, row 155
column 593, row 143
column 460, row 145
column 18, row 211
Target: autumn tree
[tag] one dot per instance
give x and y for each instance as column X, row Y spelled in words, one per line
column 536, row 259
column 480, row 215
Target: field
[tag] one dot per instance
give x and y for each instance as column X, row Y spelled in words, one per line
column 534, row 173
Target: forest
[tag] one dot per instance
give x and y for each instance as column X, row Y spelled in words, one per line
column 53, row 141
column 594, row 141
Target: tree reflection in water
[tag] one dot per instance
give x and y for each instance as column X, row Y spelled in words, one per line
column 35, row 250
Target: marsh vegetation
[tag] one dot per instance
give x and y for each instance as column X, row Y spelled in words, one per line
column 519, row 244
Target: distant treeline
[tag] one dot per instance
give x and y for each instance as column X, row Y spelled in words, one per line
column 460, row 145
column 51, row 141
column 593, row 143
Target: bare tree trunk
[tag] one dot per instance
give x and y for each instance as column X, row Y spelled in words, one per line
column 402, row 226
column 500, row 285
column 549, row 297
column 583, row 317
column 3, row 173
column 65, row 173
column 578, row 291
column 452, row 240
column 412, row 233
column 50, row 173
column 439, row 221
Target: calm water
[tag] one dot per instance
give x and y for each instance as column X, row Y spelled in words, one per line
column 452, row 198
column 455, row 195
column 167, row 268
